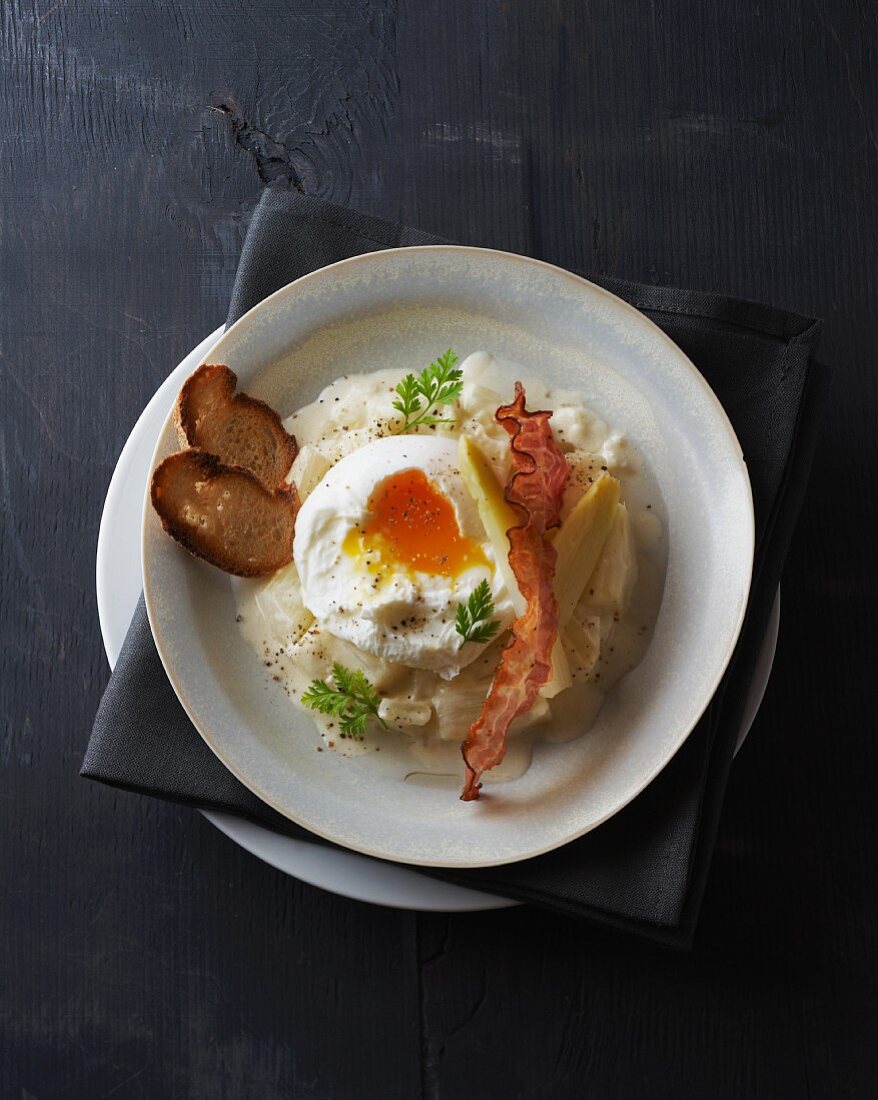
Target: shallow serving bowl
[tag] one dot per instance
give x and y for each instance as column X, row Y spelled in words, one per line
column 394, row 309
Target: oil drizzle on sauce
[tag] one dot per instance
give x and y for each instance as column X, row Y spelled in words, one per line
column 413, row 524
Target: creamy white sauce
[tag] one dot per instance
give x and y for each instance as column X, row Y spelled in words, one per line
column 431, row 713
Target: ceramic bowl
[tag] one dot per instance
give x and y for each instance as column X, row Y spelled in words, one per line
column 386, row 309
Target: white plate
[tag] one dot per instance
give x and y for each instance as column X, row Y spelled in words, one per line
column 118, row 589
column 389, row 308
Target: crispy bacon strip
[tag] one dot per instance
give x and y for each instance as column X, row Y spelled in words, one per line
column 534, row 490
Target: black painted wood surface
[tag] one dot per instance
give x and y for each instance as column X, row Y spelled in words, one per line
column 728, row 147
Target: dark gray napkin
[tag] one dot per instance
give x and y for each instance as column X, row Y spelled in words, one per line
column 644, row 870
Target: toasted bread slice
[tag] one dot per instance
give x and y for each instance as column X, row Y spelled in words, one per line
column 238, row 429
column 224, row 514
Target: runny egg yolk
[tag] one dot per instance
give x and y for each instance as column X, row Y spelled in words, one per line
column 413, row 524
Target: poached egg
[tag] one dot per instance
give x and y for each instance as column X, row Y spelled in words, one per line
column 388, row 544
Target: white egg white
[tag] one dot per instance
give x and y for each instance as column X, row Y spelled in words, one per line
column 409, row 617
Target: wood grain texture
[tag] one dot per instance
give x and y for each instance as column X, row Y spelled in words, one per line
column 732, row 148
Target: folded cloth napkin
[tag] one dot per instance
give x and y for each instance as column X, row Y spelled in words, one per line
column 644, row 870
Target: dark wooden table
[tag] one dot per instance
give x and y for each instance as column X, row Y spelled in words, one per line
column 728, row 147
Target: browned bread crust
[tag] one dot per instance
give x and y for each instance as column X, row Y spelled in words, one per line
column 239, row 430
column 224, row 514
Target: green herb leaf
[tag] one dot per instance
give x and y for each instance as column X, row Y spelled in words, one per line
column 439, row 384
column 473, row 620
column 408, row 403
column 352, row 698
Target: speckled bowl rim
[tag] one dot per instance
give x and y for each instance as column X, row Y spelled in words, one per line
column 721, row 420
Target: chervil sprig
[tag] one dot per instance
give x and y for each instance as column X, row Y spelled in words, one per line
column 473, row 621
column 439, row 384
column 353, row 699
